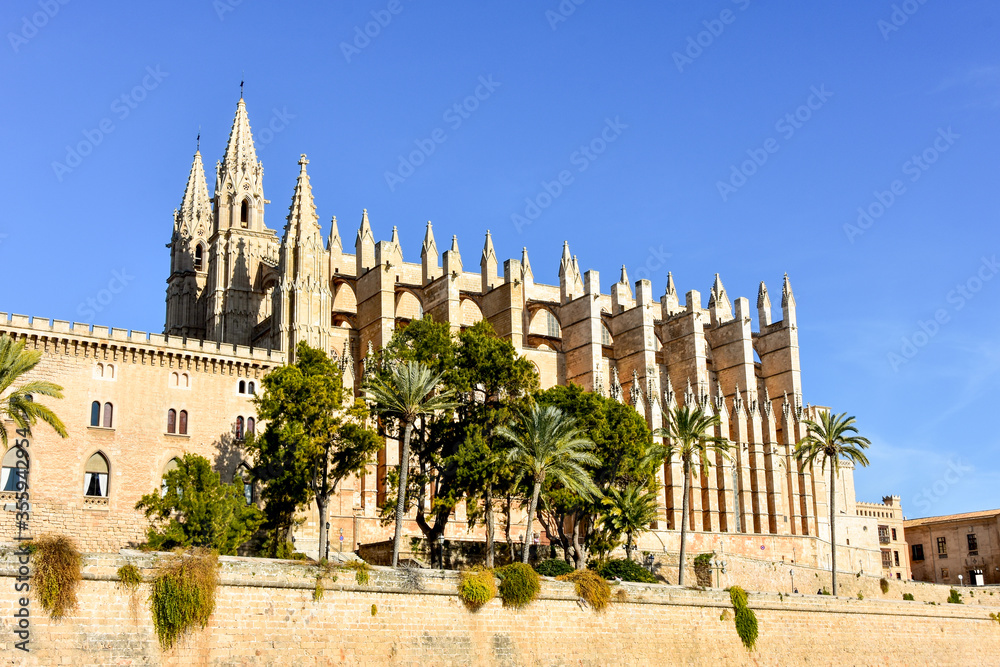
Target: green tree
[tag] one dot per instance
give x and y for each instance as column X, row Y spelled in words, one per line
column 832, row 440
column 548, row 443
column 195, row 509
column 19, row 405
column 626, row 453
column 406, row 396
column 689, row 438
column 629, row 511
column 316, row 435
column 460, row 450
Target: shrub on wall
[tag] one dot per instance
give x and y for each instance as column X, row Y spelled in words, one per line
column 129, row 580
column 362, row 571
column 908, row 596
column 554, row 567
column 883, row 583
column 590, row 586
column 626, row 570
column 954, row 597
column 184, row 594
column 746, row 619
column 703, row 568
column 57, row 573
column 476, row 588
column 519, row 584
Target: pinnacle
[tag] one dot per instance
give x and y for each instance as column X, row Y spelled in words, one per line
column 196, row 198
column 454, row 243
column 671, row 289
column 240, row 151
column 429, row 244
column 624, row 278
column 488, row 247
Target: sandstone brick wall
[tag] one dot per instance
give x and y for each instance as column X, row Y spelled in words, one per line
column 265, row 615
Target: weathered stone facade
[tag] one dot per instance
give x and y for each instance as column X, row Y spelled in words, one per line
column 943, row 548
column 243, row 298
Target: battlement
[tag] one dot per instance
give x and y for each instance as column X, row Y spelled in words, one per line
column 114, row 337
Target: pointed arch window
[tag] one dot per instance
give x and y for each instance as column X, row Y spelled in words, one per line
column 95, row 478
column 243, row 474
column 14, row 470
column 108, row 415
column 199, row 257
column 95, row 413
column 171, row 421
column 171, row 465
column 182, row 422
column 239, row 428
column 251, row 425
column 245, row 214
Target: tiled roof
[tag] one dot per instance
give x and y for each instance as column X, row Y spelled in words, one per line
column 985, row 514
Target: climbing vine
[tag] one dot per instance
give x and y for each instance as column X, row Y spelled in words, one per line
column 57, row 573
column 746, row 619
column 184, row 594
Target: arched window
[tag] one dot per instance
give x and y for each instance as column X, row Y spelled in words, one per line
column 100, row 370
column 243, row 386
column 171, row 465
column 243, row 474
column 552, row 325
column 14, row 470
column 239, row 428
column 174, row 380
column 108, row 415
column 187, row 380
column 95, row 413
column 199, row 257
column 245, row 214
column 182, row 423
column 251, row 425
column 95, row 478
column 171, row 421
column 251, row 389
column 109, row 371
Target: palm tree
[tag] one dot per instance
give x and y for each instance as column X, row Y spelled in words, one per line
column 629, row 511
column 407, row 396
column 18, row 404
column 831, row 442
column 688, row 436
column 547, row 443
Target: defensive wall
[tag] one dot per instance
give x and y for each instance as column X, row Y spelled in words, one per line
column 265, row 615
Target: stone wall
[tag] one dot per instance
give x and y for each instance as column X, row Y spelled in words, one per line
column 266, row 615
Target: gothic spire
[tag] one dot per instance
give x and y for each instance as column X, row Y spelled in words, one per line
column 195, row 206
column 671, row 289
column 395, row 236
column 488, row 251
column 429, row 246
column 334, row 240
column 302, row 220
column 566, row 261
column 787, row 298
column 240, row 152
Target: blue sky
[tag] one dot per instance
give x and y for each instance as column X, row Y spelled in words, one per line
column 746, row 137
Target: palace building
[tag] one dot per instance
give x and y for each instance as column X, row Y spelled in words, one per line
column 240, row 297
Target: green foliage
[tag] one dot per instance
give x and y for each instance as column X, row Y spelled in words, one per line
column 746, row 619
column 629, row 511
column 861, row 596
column 995, row 617
column 183, row 594
column 883, row 583
column 954, row 597
column 57, row 573
column 824, row 591
column 129, row 577
column 626, row 570
column 313, row 440
column 519, row 584
column 476, row 588
column 362, row 571
column 318, row 589
column 374, row 610
column 704, row 559
column 18, row 404
column 554, row 567
column 198, row 510
column 591, row 587
column 908, row 596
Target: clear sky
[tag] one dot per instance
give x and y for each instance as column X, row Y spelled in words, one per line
column 740, row 137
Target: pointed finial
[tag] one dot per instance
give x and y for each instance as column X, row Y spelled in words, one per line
column 671, row 289
column 241, row 86
column 197, row 148
column 454, row 243
column 395, row 236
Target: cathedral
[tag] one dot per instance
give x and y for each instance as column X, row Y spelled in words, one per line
column 240, row 297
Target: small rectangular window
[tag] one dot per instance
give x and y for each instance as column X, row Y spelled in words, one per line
column 893, row 534
column 942, row 545
column 918, row 551
column 973, row 544
column 944, row 573
column 895, row 557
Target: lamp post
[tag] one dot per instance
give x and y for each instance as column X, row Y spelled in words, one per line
column 720, row 569
column 960, row 584
column 791, row 573
column 650, row 559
